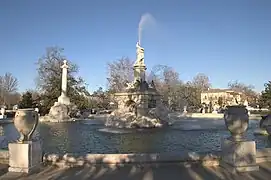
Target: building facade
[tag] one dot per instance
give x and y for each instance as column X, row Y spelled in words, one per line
column 221, row 97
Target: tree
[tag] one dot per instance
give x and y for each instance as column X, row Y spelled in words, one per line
column 13, row 99
column 191, row 94
column 265, row 98
column 49, row 80
column 119, row 73
column 8, row 86
column 167, row 83
column 101, row 98
column 248, row 91
column 201, row 81
column 27, row 101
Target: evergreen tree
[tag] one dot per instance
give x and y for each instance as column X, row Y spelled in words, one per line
column 265, row 99
column 27, row 101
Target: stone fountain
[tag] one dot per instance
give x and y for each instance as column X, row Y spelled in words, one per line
column 61, row 109
column 139, row 106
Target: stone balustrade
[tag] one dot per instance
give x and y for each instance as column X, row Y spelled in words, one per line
column 189, row 158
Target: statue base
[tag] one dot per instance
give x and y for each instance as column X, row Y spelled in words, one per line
column 25, row 157
column 138, row 110
column 63, row 100
column 238, row 156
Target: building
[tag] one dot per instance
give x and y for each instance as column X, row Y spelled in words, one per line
column 220, row 97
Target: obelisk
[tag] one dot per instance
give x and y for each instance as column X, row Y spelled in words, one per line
column 63, row 98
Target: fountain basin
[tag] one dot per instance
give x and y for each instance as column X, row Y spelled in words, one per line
column 82, row 137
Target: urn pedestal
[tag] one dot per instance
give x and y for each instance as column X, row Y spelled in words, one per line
column 25, row 155
column 238, row 154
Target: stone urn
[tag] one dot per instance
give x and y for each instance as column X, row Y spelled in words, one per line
column 237, row 121
column 26, row 121
column 267, row 124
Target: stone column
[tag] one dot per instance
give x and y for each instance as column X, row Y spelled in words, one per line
column 64, row 78
column 63, row 99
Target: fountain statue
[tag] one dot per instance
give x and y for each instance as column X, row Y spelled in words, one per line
column 61, row 109
column 139, row 106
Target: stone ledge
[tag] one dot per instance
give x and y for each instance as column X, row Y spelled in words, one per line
column 206, row 159
column 189, row 158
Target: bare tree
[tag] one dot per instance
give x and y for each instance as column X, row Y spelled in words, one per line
column 247, row 90
column 201, row 81
column 167, row 82
column 8, row 85
column 119, row 73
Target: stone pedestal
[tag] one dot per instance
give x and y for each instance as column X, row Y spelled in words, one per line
column 139, row 72
column 25, row 157
column 238, row 156
column 63, row 100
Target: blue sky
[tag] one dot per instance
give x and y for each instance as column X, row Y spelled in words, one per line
column 226, row 40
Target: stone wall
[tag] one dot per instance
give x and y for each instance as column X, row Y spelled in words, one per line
column 210, row 115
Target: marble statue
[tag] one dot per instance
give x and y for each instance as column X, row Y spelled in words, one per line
column 139, row 54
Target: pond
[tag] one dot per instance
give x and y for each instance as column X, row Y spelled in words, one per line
column 83, row 137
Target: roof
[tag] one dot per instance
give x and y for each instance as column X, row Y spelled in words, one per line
column 221, row 90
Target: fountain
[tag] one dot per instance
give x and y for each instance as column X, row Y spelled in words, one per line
column 61, row 109
column 139, row 106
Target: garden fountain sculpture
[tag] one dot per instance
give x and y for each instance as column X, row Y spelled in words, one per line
column 60, row 111
column 139, row 106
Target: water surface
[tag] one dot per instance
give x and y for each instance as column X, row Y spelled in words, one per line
column 84, row 137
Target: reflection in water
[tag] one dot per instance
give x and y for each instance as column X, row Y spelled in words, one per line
column 81, row 138
column 1, row 131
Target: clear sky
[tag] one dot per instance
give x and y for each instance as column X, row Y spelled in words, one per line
column 226, row 40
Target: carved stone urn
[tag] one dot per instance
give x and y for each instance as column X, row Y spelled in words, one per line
column 237, row 121
column 26, row 121
column 267, row 124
